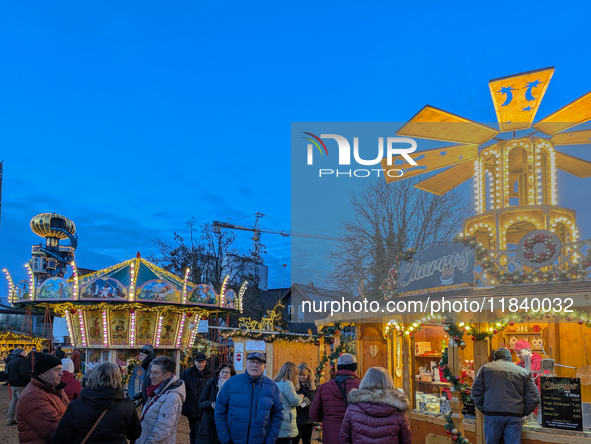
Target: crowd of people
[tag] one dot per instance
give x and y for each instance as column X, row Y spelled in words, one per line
column 50, row 405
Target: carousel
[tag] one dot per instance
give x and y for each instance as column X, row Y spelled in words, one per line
column 113, row 312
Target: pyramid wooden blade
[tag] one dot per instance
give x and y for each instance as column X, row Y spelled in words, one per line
column 436, row 124
column 517, row 98
column 572, row 138
column 429, row 160
column 573, row 165
column 447, row 180
column 576, row 112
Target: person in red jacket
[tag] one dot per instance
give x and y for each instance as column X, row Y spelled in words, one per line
column 376, row 413
column 522, row 349
column 43, row 402
column 72, row 387
column 329, row 405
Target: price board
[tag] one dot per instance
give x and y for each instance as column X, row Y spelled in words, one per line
column 561, row 403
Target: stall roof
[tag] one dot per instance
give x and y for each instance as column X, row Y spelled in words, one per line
column 579, row 290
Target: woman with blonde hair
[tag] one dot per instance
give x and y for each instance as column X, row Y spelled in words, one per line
column 287, row 381
column 376, row 413
column 102, row 413
column 308, row 389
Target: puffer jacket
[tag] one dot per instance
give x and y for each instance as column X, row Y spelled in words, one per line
column 290, row 400
column 19, row 372
column 376, row 417
column 120, row 421
column 252, row 406
column 195, row 381
column 161, row 414
column 72, row 387
column 329, row 407
column 502, row 388
column 39, row 410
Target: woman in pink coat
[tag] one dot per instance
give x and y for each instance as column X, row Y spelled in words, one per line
column 376, row 413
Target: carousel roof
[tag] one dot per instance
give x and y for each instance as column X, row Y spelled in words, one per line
column 135, row 280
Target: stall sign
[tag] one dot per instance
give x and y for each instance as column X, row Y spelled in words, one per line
column 238, row 359
column 255, row 345
column 561, row 403
column 440, row 266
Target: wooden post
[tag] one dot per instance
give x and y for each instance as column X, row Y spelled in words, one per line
column 408, row 371
column 455, row 365
column 481, row 353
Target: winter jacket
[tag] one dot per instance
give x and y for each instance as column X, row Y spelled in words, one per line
column 290, row 400
column 72, row 387
column 161, row 413
column 76, row 360
column 194, row 380
column 120, row 421
column 502, row 388
column 39, row 410
column 376, row 417
column 329, row 407
column 252, row 406
column 146, row 364
column 207, row 431
column 19, row 372
column 58, row 353
column 303, row 416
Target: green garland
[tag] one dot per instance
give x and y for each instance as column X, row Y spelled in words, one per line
column 450, row 428
column 390, row 286
column 456, row 332
column 269, row 337
column 344, row 347
column 130, row 366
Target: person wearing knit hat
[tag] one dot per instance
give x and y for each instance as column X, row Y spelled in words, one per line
column 43, row 402
column 330, row 403
column 522, row 349
column 73, row 386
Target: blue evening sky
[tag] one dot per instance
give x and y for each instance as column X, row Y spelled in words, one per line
column 132, row 117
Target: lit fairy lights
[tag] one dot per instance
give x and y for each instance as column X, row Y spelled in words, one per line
column 568, row 224
column 31, row 282
column 184, row 299
column 241, row 295
column 180, row 335
column 10, row 286
column 194, row 332
column 552, row 153
column 82, row 334
column 159, row 331
column 132, row 323
column 76, row 285
column 132, row 281
column 70, row 329
column 478, row 194
column 223, row 292
column 105, row 329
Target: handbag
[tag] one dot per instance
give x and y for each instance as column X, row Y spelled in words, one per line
column 94, row 426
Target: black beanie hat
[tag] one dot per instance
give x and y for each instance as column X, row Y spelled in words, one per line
column 45, row 362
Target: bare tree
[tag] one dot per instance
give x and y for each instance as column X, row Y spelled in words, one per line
column 386, row 220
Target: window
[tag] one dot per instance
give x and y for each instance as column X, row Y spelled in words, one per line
column 290, row 313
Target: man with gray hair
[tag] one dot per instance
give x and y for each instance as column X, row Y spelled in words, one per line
column 330, row 403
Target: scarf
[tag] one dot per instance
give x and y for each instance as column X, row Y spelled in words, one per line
column 151, row 389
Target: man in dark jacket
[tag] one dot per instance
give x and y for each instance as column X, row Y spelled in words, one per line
column 504, row 393
column 147, row 355
column 19, row 375
column 195, row 379
column 7, row 359
column 59, row 353
column 249, row 407
column 329, row 406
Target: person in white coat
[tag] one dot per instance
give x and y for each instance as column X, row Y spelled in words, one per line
column 162, row 411
column 287, row 381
